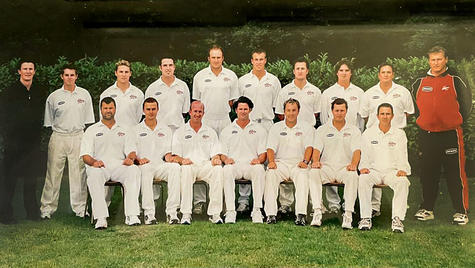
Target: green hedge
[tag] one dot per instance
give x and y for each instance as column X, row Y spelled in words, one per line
column 97, row 76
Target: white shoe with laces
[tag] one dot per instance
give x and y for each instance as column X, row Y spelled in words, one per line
column 460, row 218
column 397, row 225
column 257, row 217
column 347, row 220
column 186, row 219
column 132, row 220
column 230, row 217
column 101, row 224
column 317, row 219
column 365, row 224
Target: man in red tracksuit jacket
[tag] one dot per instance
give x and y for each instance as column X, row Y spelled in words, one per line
column 444, row 102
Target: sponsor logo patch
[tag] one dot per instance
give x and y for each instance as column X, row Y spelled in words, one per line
column 291, row 93
column 267, row 84
column 205, row 136
column 346, row 134
column 207, row 80
column 310, row 93
column 226, row 79
column 133, row 97
column 252, row 131
column 353, row 98
column 283, row 133
column 187, row 137
column 298, row 134
column 179, row 92
column 158, row 93
column 391, row 144
column 427, row 89
column 81, row 101
column 451, row 151
column 374, row 142
column 330, row 135
column 234, row 132
column 61, row 102
column 113, row 96
column 248, row 85
column 396, row 95
column 445, row 88
column 99, row 134
column 120, row 134
column 160, row 134
column 143, row 134
column 375, row 97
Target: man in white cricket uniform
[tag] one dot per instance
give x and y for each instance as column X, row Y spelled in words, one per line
column 196, row 148
column 384, row 160
column 346, row 90
column 108, row 150
column 289, row 149
column 308, row 96
column 216, row 87
column 396, row 95
column 262, row 88
column 67, row 111
column 154, row 145
column 243, row 154
column 336, row 155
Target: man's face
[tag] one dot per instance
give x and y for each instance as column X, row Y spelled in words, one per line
column 300, row 71
column 215, row 58
column 291, row 112
column 339, row 112
column 168, row 68
column 385, row 115
column 196, row 112
column 243, row 111
column 27, row 71
column 258, row 61
column 123, row 74
column 344, row 74
column 438, row 62
column 386, row 74
column 150, row 110
column 107, row 111
column 69, row 77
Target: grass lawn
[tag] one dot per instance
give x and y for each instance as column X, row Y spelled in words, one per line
column 69, row 241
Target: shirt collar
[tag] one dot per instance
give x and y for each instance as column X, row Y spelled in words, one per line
column 160, row 81
column 442, row 74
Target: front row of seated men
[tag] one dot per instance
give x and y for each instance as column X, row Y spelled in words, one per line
column 293, row 150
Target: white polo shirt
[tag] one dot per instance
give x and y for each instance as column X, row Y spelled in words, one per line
column 243, row 145
column 198, row 146
column 289, row 144
column 111, row 146
column 337, row 146
column 263, row 94
column 398, row 96
column 308, row 97
column 352, row 95
column 128, row 104
column 68, row 112
column 173, row 100
column 384, row 152
column 215, row 92
column 153, row 144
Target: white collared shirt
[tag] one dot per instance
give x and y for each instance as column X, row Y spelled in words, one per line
column 215, row 92
column 398, row 96
column 352, row 95
column 308, row 97
column 289, row 144
column 111, row 146
column 198, row 146
column 69, row 112
column 128, row 104
column 384, row 152
column 337, row 146
column 173, row 100
column 153, row 144
column 243, row 145
column 263, row 94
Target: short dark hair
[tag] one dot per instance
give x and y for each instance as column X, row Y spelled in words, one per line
column 437, row 49
column 108, row 100
column 385, row 104
column 149, row 100
column 213, row 47
column 70, row 67
column 301, row 59
column 25, row 61
column 161, row 60
column 343, row 61
column 292, row 101
column 339, row 101
column 385, row 64
column 243, row 99
column 258, row 51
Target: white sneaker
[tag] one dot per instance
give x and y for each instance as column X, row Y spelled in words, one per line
column 45, row 216
column 397, row 225
column 150, row 219
column 424, row 215
column 242, row 207
column 173, row 219
column 101, row 224
column 132, row 220
column 216, row 219
column 317, row 219
column 230, row 217
column 257, row 216
column 186, row 219
column 347, row 219
column 460, row 219
column 365, row 224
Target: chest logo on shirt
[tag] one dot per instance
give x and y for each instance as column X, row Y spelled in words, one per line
column 445, row 88
column 267, row 85
column 291, row 93
column 299, row 133
column 120, row 134
column 143, row 134
column 310, row 93
column 427, row 89
column 396, row 95
column 374, row 142
column 113, row 96
column 451, row 151
column 283, row 133
column 187, row 137
column 346, row 134
column 391, row 144
column 252, row 132
column 205, row 137
column 248, row 85
column 133, row 97
column 160, row 134
column 158, row 93
column 61, row 102
column 353, row 98
column 330, row 135
column 80, row 101
column 207, row 80
column 179, row 92
column 375, row 97
column 234, row 132
column 99, row 134
column 226, row 79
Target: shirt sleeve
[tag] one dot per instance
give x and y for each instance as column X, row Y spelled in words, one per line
column 277, row 89
column 130, row 144
column 216, row 147
column 355, row 140
column 323, row 108
column 89, row 116
column 176, row 143
column 87, row 143
column 365, row 153
column 279, row 104
column 196, row 87
column 261, row 146
column 364, row 105
column 186, row 103
column 408, row 103
column 318, row 139
column 234, row 90
column 224, row 140
column 139, row 105
column 316, row 104
column 310, row 131
column 403, row 162
column 273, row 139
column 49, row 112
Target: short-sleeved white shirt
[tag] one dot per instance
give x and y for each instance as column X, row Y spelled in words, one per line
column 153, row 144
column 128, row 104
column 289, row 144
column 398, row 96
column 198, row 146
column 243, row 145
column 215, row 92
column 337, row 146
column 384, row 152
column 173, row 101
column 308, row 97
column 111, row 146
column 68, row 112
column 352, row 95
column 263, row 94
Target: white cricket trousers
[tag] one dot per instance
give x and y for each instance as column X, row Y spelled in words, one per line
column 284, row 172
column 169, row 172
column 399, row 185
column 128, row 176
column 254, row 173
column 212, row 175
column 64, row 147
column 327, row 174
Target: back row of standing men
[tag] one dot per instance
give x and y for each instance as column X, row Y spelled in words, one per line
column 70, row 108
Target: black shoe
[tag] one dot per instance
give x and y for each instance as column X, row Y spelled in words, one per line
column 375, row 213
column 271, row 219
column 300, row 220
